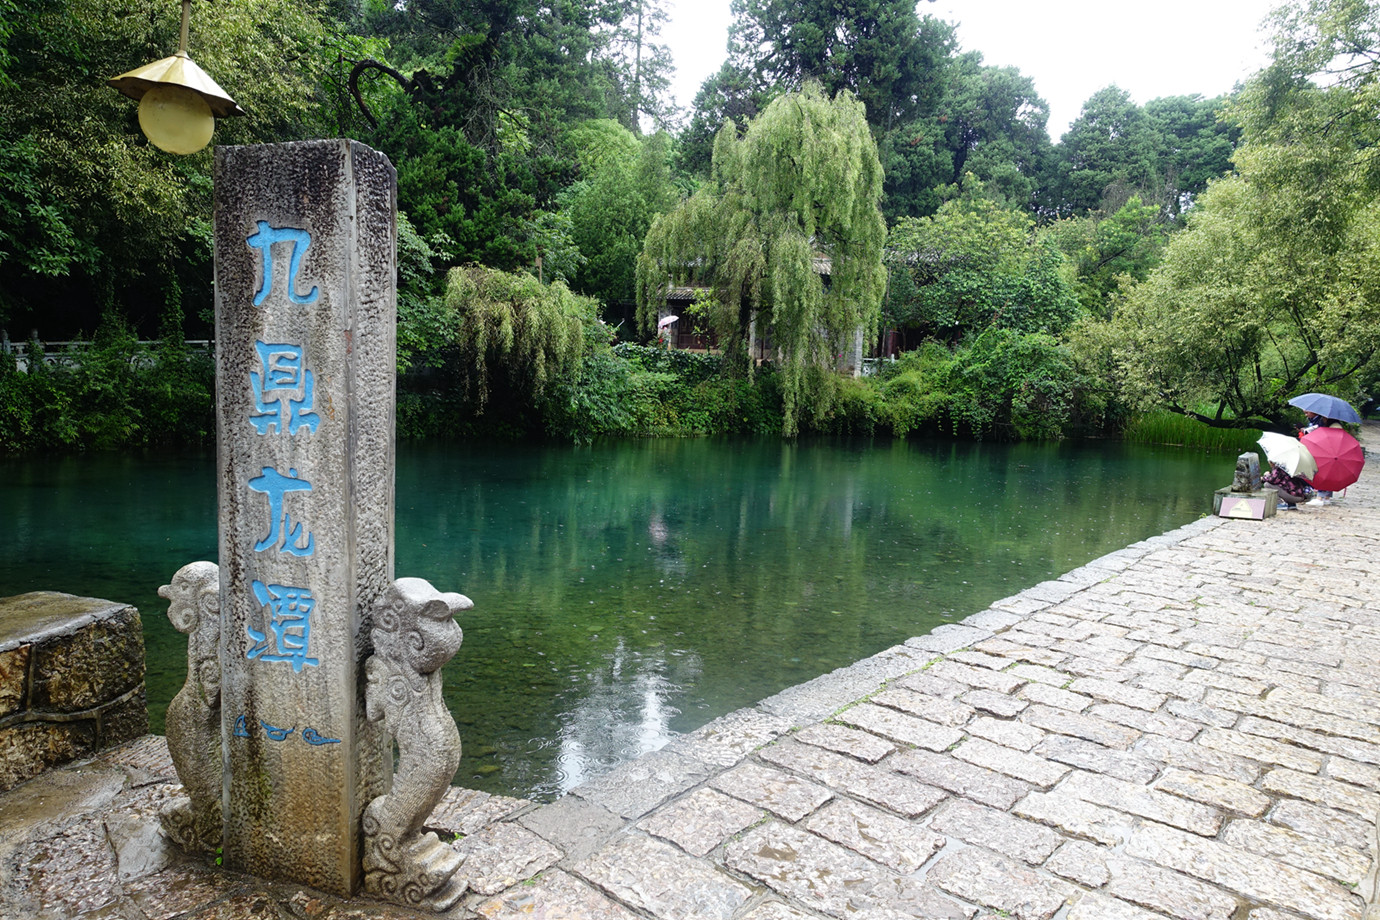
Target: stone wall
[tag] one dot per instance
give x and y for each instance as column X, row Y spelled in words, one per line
column 71, row 680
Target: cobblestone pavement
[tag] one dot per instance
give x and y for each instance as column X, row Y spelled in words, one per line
column 1188, row 728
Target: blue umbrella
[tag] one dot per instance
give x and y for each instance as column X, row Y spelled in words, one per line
column 1339, row 410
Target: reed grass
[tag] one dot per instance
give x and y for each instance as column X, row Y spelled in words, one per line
column 1181, row 431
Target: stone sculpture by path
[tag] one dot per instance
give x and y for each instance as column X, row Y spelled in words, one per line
column 282, row 765
column 414, row 634
column 194, row 821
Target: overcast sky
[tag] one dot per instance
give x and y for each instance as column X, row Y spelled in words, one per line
column 1071, row 48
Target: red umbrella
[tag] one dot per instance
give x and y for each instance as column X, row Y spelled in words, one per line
column 1339, row 458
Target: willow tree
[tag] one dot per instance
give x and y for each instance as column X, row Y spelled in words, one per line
column 786, row 238
column 510, row 333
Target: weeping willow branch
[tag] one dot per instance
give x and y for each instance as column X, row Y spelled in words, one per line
column 510, row 327
column 787, row 237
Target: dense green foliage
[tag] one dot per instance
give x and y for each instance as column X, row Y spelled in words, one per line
column 485, row 110
column 848, row 168
column 791, row 201
column 644, row 391
column 113, row 394
column 1002, row 383
column 878, row 50
column 1164, row 153
column 974, row 266
column 1161, row 427
column 626, row 183
column 1107, row 251
column 92, row 217
column 1271, row 289
column 495, row 344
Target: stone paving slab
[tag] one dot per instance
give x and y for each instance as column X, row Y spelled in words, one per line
column 1184, row 729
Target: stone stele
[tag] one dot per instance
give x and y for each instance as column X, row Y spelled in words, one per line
column 305, row 256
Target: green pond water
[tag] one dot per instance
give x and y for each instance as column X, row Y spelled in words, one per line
column 628, row 592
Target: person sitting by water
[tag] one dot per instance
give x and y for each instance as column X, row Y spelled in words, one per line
column 1314, row 421
column 1291, row 489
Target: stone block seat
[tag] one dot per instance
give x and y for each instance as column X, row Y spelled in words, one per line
column 71, row 680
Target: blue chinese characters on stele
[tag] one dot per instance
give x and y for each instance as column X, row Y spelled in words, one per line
column 283, row 389
column 274, row 733
column 298, row 241
column 282, row 533
column 289, row 624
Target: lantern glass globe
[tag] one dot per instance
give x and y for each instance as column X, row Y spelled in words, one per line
column 176, row 119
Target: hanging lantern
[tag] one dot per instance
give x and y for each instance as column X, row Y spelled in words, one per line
column 178, row 102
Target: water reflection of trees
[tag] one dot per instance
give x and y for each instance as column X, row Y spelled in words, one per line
column 629, row 591
column 769, row 563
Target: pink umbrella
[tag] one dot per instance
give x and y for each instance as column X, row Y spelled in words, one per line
column 1339, row 458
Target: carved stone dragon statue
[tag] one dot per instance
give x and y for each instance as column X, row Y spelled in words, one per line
column 414, row 635
column 194, row 821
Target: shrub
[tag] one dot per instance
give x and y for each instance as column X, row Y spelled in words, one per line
column 1002, row 383
column 113, row 394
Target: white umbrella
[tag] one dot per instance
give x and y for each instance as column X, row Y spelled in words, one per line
column 1289, row 453
column 666, row 321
